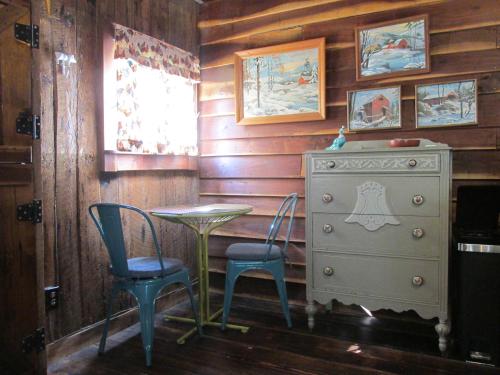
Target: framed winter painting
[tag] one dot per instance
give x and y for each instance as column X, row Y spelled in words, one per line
column 284, row 83
column 446, row 104
column 393, row 48
column 374, row 109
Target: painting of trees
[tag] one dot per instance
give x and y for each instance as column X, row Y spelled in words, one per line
column 368, row 48
column 271, row 84
column 415, row 34
column 392, row 48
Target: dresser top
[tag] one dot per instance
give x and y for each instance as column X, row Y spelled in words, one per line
column 383, row 145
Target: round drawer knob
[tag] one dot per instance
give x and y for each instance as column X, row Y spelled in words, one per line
column 417, row 280
column 418, row 232
column 412, row 163
column 328, row 228
column 330, row 164
column 328, row 271
column 327, row 198
column 418, row 199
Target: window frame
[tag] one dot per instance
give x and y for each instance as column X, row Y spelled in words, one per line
column 115, row 161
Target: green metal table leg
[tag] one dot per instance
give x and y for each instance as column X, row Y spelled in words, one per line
column 204, row 302
column 181, row 319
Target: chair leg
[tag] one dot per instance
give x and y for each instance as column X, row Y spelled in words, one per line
column 194, row 306
column 104, row 336
column 279, row 277
column 146, row 315
column 231, row 277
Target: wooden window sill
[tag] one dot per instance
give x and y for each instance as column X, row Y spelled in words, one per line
column 123, row 161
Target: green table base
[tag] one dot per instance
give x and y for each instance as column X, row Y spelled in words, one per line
column 203, row 223
column 210, row 322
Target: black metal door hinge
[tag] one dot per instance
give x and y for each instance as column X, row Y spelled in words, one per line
column 52, row 296
column 34, row 341
column 30, row 211
column 29, row 34
column 28, row 123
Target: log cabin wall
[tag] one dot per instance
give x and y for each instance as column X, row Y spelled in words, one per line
column 260, row 164
column 75, row 257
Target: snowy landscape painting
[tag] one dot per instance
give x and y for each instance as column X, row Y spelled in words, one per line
column 444, row 104
column 394, row 48
column 281, row 83
column 374, row 109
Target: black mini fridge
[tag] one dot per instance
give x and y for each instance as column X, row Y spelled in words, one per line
column 476, row 274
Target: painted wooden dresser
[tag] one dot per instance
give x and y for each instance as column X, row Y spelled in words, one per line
column 377, row 228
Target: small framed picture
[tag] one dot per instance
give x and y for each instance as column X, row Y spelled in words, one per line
column 283, row 83
column 446, row 104
column 374, row 109
column 393, row 48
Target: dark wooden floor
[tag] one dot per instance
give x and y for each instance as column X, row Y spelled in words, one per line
column 342, row 343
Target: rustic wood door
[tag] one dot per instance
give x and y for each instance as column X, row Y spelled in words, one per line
column 21, row 242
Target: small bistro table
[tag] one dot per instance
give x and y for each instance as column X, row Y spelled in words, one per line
column 202, row 220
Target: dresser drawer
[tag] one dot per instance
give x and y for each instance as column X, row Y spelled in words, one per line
column 340, row 194
column 330, row 231
column 382, row 277
column 378, row 163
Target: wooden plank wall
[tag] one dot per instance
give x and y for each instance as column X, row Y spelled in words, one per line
column 75, row 258
column 260, row 164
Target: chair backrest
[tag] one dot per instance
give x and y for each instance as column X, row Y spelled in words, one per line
column 286, row 207
column 109, row 224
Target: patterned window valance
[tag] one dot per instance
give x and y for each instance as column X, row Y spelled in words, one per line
column 154, row 53
column 149, row 102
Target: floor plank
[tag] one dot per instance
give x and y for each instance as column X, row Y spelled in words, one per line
column 341, row 343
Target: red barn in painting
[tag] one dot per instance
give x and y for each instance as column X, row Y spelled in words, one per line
column 400, row 43
column 439, row 99
column 378, row 107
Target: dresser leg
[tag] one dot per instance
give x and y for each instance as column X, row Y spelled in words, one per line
column 443, row 329
column 310, row 310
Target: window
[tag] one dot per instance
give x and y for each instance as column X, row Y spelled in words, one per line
column 149, row 103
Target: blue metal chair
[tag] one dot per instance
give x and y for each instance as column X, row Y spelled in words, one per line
column 267, row 256
column 143, row 277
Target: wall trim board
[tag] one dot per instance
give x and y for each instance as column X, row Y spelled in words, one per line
column 258, row 289
column 282, row 6
column 339, row 103
column 218, row 96
column 271, row 213
column 255, row 236
column 120, row 320
column 465, row 148
column 209, row 194
column 219, row 84
column 253, row 186
column 454, row 138
column 441, row 43
column 297, row 18
column 467, row 15
column 217, row 114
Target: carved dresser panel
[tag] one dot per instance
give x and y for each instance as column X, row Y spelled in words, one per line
column 377, row 228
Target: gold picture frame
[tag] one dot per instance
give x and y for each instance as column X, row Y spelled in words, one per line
column 279, row 84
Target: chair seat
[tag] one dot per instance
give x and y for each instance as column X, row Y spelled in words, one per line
column 252, row 251
column 145, row 267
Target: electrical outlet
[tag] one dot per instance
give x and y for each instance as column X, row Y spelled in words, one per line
column 52, row 297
